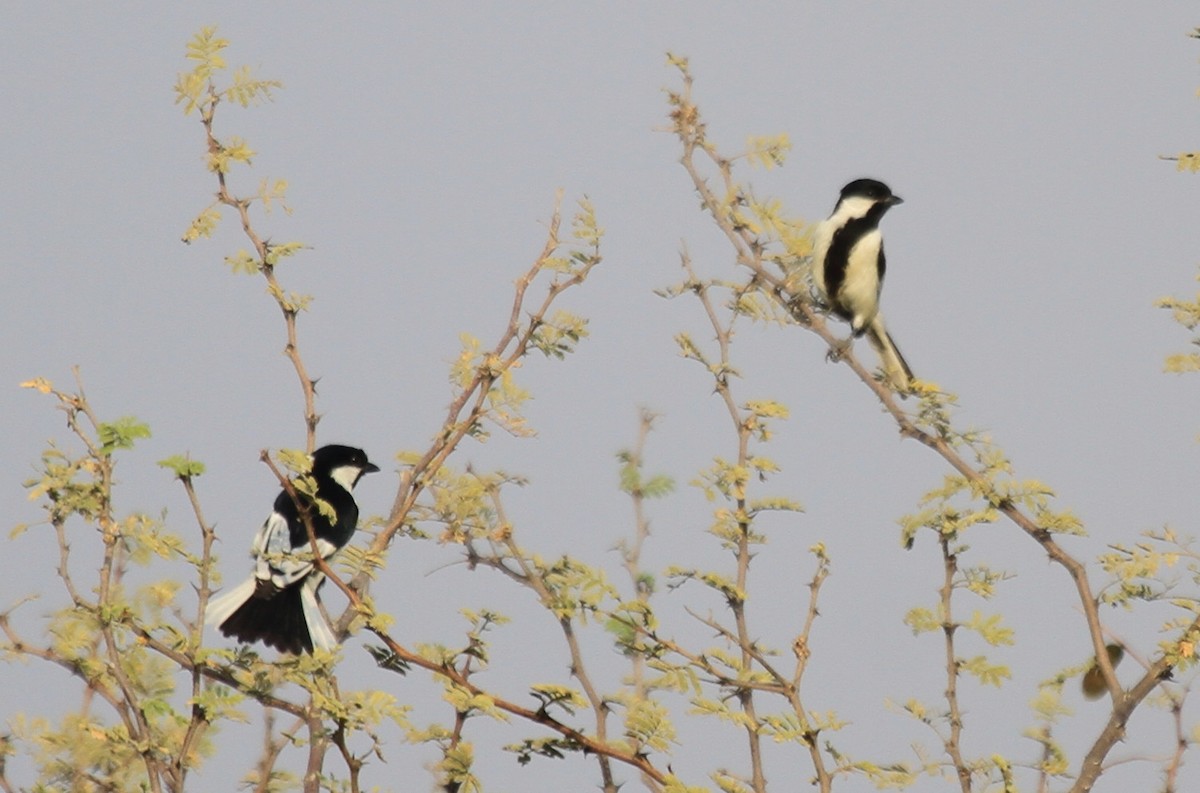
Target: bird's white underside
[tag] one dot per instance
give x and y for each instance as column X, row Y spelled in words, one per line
column 860, row 287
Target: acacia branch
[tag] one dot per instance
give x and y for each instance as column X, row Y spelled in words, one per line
column 469, row 408
column 271, row 750
column 353, row 764
column 1171, row 772
column 801, row 649
column 631, row 553
column 214, row 672
column 737, row 605
column 128, row 705
column 94, row 683
column 317, row 742
column 749, row 249
column 457, row 677
column 952, row 742
column 578, row 668
column 266, row 266
column 200, row 718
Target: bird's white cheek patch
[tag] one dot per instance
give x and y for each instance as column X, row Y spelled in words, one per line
column 853, row 207
column 345, row 475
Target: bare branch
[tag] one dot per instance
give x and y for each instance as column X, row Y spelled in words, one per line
column 266, row 266
column 952, row 742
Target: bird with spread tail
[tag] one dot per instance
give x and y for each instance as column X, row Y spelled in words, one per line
column 278, row 604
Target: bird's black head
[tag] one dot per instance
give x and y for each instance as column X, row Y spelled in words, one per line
column 871, row 190
column 344, row 464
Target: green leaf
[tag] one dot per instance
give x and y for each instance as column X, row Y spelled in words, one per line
column 922, row 620
column 121, row 434
column 648, row 723
column 246, row 90
column 554, row 748
column 203, row 226
column 986, row 672
column 768, row 151
column 564, row 697
column 282, row 250
column 991, row 629
column 658, row 486
column 182, row 466
column 295, row 460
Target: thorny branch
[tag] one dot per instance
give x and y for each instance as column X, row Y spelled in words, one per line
column 289, row 309
column 952, row 742
column 740, row 635
column 200, row 719
column 743, row 555
column 749, row 253
column 531, row 579
column 468, row 409
column 464, row 415
column 457, row 677
column 266, row 266
column 631, row 553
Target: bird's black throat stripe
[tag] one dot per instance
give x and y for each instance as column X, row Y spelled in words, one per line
column 837, row 258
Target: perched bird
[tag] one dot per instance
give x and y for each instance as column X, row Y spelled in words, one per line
column 848, row 268
column 1094, row 686
column 277, row 605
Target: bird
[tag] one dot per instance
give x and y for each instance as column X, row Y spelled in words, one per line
column 849, row 264
column 277, row 605
column 1093, row 683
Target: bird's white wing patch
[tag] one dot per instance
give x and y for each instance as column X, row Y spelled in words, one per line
column 275, row 558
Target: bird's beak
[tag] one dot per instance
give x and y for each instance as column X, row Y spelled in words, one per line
column 370, row 468
column 895, row 200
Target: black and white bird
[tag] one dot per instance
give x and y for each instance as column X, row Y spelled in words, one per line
column 849, row 264
column 277, row 605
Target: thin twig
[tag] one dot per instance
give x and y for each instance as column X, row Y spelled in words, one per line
column 737, row 605
column 578, row 666
column 952, row 742
column 200, row 718
column 262, row 249
column 271, row 750
column 748, row 249
column 358, row 605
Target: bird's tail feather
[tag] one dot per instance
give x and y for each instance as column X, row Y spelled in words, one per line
column 221, row 608
column 894, row 365
column 289, row 620
column 318, row 628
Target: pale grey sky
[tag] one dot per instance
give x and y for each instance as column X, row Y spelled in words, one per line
column 424, row 146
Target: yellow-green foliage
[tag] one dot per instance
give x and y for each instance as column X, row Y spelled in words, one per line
column 648, row 724
column 100, row 634
column 1187, row 314
column 195, row 90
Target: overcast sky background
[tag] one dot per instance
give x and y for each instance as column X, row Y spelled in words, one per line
column 424, row 146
